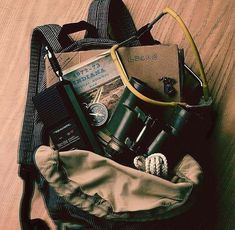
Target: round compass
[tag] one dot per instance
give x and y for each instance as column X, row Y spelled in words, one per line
column 98, row 114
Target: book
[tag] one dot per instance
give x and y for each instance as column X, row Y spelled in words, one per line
column 96, row 80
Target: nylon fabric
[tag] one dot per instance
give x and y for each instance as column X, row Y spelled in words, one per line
column 28, row 143
column 107, row 189
column 112, row 19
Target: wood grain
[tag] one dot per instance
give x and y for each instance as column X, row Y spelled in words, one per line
column 212, row 26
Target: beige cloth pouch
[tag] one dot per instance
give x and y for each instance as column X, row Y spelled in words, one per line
column 107, row 189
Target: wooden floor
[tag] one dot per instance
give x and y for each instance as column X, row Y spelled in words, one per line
column 212, row 26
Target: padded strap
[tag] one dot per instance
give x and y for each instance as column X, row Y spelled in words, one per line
column 112, row 19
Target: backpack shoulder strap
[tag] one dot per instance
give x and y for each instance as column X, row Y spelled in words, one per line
column 41, row 35
column 112, row 20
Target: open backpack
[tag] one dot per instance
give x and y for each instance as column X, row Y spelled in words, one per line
column 85, row 190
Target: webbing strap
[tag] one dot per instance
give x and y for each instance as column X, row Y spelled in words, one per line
column 112, row 20
column 42, row 34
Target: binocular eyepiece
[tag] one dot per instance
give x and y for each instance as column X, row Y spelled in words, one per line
column 135, row 128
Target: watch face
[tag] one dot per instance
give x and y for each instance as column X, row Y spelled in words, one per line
column 98, row 114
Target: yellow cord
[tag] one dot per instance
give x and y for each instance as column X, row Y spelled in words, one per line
column 194, row 49
column 124, row 77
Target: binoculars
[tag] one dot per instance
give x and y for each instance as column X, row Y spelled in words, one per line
column 138, row 128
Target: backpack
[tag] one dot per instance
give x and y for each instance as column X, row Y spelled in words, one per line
column 103, row 15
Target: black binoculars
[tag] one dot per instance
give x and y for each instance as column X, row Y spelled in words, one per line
column 137, row 128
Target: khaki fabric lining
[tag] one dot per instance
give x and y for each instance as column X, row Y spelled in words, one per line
column 107, row 189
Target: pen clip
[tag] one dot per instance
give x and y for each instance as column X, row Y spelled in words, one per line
column 54, row 63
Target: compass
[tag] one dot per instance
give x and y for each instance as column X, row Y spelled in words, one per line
column 98, row 114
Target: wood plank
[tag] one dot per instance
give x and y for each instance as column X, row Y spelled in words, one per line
column 212, row 26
